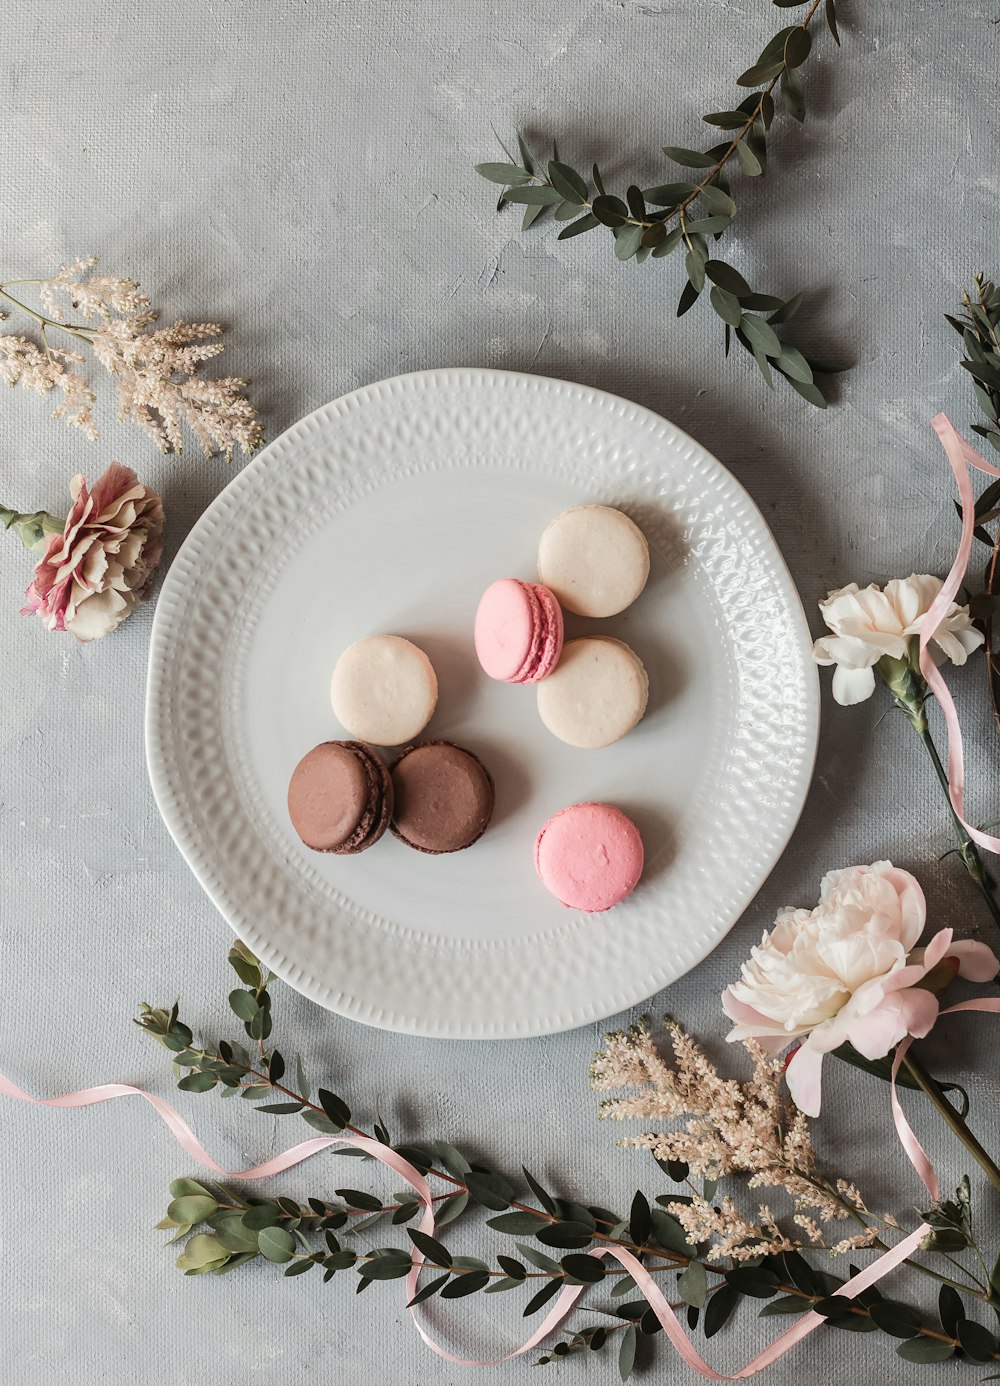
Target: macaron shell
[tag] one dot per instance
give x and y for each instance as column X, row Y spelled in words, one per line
column 444, row 797
column 595, row 559
column 589, row 856
column 518, row 631
column 384, row 690
column 597, row 693
column 339, row 798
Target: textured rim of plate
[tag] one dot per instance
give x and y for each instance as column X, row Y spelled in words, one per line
column 247, row 506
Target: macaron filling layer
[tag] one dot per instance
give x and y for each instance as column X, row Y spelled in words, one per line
column 340, row 798
column 589, row 856
column 444, row 798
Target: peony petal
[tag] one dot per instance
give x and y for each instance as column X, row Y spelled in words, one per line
column 912, row 903
column 804, row 1078
column 976, row 962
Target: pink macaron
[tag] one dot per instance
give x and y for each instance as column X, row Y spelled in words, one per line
column 519, row 631
column 589, row 856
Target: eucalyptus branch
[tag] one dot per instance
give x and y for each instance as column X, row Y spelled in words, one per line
column 641, row 222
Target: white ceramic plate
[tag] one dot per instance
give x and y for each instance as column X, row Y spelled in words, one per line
column 391, row 510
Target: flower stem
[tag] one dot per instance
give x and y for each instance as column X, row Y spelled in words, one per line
column 85, row 334
column 967, row 849
column 951, row 1118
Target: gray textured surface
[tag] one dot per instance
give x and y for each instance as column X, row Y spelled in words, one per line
column 303, row 171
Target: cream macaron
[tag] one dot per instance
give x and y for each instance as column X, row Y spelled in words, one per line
column 595, row 559
column 597, row 693
column 384, row 690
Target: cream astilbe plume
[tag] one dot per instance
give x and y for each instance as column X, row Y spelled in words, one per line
column 727, row 1128
column 155, row 371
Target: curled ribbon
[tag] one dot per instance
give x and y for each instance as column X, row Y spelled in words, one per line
column 961, row 457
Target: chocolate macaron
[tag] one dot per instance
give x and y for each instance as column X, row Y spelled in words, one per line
column 340, row 798
column 443, row 797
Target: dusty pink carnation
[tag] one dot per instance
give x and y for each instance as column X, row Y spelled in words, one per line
column 95, row 573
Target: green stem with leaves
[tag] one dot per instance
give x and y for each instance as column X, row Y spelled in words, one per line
column 906, row 684
column 951, row 1118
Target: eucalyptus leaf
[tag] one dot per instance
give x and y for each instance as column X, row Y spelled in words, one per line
column 516, row 1224
column 197, row 1082
column 233, row 1233
column 542, row 1297
column 568, row 182
column 748, row 160
column 787, row 1304
column 707, row 226
column 762, row 336
column 925, row 1350
column 720, row 1308
column 692, row 1286
column 689, row 296
column 726, row 120
column 831, row 20
column 276, row 1243
column 244, row 1004
column 761, row 72
column 797, row 47
column 576, row 228
column 451, row 1209
column 610, row 211
column 508, row 174
column 793, row 94
column 688, row 158
column 718, row 202
column 978, row 1343
column 726, row 305
column 534, row 195
column 491, row 1190
column 627, row 241
column 192, row 1208
column 626, row 1352
column 204, row 1250
column 182, row 1187
column 667, row 194
column 583, row 1270
column 792, row 363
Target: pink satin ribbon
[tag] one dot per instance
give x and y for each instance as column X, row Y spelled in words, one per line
column 961, row 457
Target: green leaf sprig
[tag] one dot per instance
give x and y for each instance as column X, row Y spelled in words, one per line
column 651, row 223
column 222, row 1229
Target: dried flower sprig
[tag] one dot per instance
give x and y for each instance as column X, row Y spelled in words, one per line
column 641, row 223
column 155, row 372
column 222, row 1229
column 730, row 1128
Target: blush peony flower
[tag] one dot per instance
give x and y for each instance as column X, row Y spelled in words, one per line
column 869, row 623
column 848, row 971
column 94, row 574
